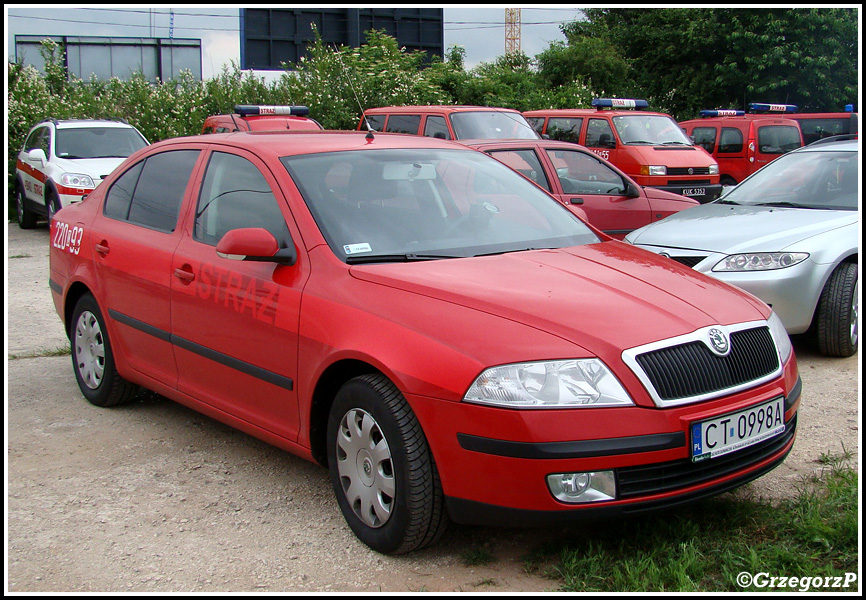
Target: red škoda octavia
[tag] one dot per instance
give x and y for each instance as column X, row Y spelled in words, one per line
column 447, row 338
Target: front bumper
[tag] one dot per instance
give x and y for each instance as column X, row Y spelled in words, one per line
column 703, row 193
column 493, row 463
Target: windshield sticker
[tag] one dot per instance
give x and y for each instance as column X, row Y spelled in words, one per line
column 356, row 248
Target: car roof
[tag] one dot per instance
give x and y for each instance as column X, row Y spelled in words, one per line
column 78, row 123
column 831, row 145
column 583, row 112
column 763, row 119
column 448, row 108
column 289, row 143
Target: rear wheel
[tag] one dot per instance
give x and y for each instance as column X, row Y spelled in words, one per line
column 26, row 218
column 92, row 358
column 837, row 317
column 381, row 467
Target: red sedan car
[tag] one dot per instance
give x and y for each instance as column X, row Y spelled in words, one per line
column 608, row 198
column 448, row 339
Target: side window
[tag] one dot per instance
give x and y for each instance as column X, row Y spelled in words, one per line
column 437, row 128
column 730, row 141
column 376, row 122
column 150, row 193
column 705, row 137
column 537, row 123
column 404, row 124
column 583, row 173
column 567, row 130
column 235, row 195
column 524, row 162
column 34, row 138
column 599, row 134
column 44, row 141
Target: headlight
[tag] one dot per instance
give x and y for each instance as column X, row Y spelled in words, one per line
column 76, row 180
column 714, row 169
column 780, row 335
column 653, row 170
column 760, row 261
column 550, row 384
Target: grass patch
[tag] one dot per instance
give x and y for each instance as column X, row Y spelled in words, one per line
column 478, row 556
column 59, row 351
column 704, row 546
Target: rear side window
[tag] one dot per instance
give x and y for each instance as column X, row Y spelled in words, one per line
column 567, row 130
column 730, row 141
column 376, row 122
column 524, row 162
column 436, row 127
column 150, row 193
column 705, row 137
column 404, row 124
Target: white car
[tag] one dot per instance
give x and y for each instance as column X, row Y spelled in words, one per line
column 789, row 234
column 64, row 160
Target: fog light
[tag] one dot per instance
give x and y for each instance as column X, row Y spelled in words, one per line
column 576, row 488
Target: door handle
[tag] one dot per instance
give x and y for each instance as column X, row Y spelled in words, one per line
column 576, row 200
column 184, row 274
column 102, row 248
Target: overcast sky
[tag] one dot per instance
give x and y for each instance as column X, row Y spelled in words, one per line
column 479, row 29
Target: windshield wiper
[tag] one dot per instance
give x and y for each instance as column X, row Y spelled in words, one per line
column 782, row 204
column 409, row 257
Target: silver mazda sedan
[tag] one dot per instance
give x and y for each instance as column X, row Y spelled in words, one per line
column 789, row 234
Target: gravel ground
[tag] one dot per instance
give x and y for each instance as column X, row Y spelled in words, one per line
column 152, row 497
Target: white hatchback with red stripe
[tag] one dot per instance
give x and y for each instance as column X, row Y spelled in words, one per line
column 64, row 160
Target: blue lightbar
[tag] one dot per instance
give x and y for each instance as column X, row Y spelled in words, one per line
column 618, row 103
column 782, row 108
column 722, row 113
column 294, row 111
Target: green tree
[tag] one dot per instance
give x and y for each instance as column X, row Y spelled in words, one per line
column 686, row 59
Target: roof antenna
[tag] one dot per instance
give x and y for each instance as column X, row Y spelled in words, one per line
column 369, row 137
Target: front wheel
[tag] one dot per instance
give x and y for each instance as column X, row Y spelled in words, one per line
column 381, row 467
column 837, row 317
column 92, row 358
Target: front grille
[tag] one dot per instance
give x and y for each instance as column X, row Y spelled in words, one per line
column 688, row 170
column 691, row 369
column 659, row 478
column 689, row 261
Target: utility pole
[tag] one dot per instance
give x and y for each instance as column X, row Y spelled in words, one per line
column 512, row 30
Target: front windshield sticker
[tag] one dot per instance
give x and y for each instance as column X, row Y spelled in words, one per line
column 356, row 248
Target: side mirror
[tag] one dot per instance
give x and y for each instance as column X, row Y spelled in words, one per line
column 632, row 190
column 254, row 244
column 38, row 154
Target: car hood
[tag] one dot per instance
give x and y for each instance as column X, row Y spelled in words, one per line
column 604, row 297
column 97, row 168
column 657, row 194
column 730, row 228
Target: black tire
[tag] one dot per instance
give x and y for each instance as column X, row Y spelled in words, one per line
column 26, row 217
column 378, row 457
column 92, row 359
column 837, row 319
column 52, row 204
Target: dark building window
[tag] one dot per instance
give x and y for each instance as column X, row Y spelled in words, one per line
column 271, row 36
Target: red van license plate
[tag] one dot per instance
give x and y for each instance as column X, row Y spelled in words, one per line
column 694, row 192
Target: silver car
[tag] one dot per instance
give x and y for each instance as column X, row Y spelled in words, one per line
column 789, row 234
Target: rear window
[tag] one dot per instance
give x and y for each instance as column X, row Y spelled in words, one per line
column 778, row 139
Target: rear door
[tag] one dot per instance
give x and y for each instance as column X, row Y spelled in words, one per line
column 134, row 239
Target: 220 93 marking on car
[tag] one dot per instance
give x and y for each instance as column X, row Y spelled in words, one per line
column 451, row 342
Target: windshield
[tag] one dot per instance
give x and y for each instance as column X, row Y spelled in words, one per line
column 98, row 142
column 822, row 180
column 656, row 130
column 398, row 205
column 492, row 125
